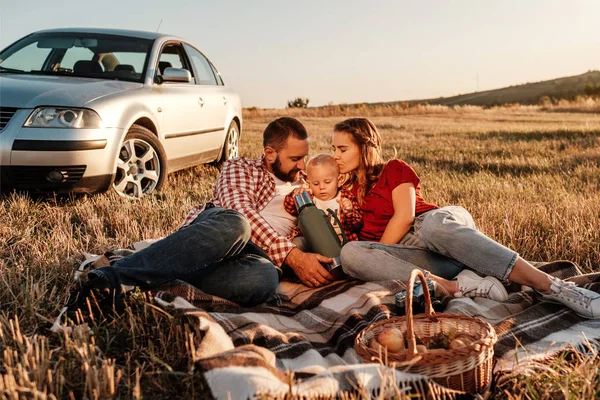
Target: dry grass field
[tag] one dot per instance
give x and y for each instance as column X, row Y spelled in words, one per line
column 530, row 178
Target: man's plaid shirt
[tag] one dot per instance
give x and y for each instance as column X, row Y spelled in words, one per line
column 246, row 186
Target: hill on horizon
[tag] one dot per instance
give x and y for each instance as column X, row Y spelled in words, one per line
column 527, row 93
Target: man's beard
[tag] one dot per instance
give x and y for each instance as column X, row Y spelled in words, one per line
column 290, row 176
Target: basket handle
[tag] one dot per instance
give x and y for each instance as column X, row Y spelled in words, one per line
column 410, row 331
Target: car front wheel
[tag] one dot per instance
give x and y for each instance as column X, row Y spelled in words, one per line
column 141, row 164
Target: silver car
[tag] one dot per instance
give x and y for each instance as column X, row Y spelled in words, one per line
column 83, row 110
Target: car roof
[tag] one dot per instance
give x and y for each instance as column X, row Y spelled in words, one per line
column 105, row 31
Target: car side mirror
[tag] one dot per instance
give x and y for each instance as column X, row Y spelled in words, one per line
column 176, row 75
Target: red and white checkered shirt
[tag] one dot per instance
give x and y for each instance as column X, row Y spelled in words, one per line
column 246, row 186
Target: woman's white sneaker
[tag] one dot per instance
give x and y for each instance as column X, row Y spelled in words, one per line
column 472, row 285
column 584, row 302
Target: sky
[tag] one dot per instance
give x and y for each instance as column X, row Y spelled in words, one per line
column 350, row 51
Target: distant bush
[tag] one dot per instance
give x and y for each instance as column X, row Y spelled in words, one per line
column 298, row 102
column 545, row 101
column 591, row 90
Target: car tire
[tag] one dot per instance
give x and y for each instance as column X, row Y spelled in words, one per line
column 231, row 146
column 141, row 164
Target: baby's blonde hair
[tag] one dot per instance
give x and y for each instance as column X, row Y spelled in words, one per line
column 322, row 160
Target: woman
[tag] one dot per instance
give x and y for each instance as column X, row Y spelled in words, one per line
column 402, row 231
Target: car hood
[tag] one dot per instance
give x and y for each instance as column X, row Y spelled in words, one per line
column 30, row 91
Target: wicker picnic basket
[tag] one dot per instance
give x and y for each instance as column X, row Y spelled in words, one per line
column 467, row 368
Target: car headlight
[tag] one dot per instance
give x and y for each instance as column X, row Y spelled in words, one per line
column 59, row 117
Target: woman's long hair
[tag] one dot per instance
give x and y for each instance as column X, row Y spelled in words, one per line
column 367, row 137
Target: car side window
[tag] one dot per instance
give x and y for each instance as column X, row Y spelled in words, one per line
column 203, row 68
column 172, row 56
column 218, row 75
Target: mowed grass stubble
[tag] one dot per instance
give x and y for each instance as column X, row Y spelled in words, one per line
column 531, row 179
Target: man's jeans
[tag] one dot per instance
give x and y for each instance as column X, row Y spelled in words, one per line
column 442, row 241
column 214, row 254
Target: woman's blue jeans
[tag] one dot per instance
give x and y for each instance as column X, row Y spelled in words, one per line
column 214, row 254
column 442, row 241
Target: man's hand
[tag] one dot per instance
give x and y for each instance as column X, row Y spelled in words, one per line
column 345, row 205
column 307, row 266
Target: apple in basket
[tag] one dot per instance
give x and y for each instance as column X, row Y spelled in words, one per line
column 457, row 344
column 461, row 340
column 392, row 339
column 421, row 348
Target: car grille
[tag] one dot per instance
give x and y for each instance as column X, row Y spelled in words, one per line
column 6, row 113
column 29, row 177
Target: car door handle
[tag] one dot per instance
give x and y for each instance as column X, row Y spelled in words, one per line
column 200, row 101
column 224, row 100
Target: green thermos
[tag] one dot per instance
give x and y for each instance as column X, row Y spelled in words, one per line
column 317, row 230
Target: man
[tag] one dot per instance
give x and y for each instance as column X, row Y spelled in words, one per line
column 234, row 246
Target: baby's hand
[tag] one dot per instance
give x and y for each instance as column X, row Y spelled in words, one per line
column 345, row 205
column 299, row 190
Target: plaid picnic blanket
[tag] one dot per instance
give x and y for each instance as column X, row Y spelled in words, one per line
column 301, row 341
column 530, row 331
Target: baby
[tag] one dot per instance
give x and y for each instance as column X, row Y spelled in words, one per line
column 322, row 177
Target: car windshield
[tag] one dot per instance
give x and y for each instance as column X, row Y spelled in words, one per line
column 85, row 55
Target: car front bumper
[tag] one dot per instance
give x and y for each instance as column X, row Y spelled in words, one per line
column 62, row 160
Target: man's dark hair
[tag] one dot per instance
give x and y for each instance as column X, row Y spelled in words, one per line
column 278, row 132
